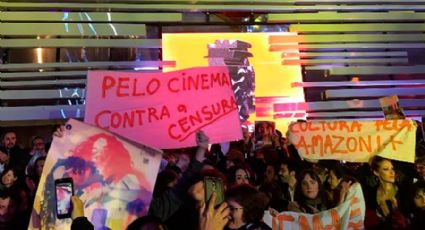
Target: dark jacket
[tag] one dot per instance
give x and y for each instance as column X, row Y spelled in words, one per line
column 165, row 205
column 252, row 226
column 81, row 223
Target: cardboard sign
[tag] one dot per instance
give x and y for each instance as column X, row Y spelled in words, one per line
column 348, row 215
column 354, row 141
column 112, row 177
column 264, row 134
column 164, row 110
column 391, row 107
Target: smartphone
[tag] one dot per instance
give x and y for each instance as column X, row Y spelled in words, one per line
column 64, row 190
column 214, row 184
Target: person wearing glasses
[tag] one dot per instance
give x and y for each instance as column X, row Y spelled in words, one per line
column 246, row 205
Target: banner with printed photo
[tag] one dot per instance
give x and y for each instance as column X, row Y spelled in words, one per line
column 354, row 141
column 391, row 107
column 348, row 215
column 164, row 110
column 113, row 178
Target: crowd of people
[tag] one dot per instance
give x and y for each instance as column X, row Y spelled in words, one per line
column 20, row 171
column 269, row 176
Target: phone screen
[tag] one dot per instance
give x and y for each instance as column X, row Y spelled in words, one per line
column 64, row 191
column 214, row 184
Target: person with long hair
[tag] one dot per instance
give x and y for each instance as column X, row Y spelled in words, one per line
column 310, row 196
column 239, row 174
column 387, row 194
column 338, row 183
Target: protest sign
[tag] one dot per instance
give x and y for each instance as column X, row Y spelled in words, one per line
column 164, row 110
column 348, row 215
column 112, row 177
column 265, row 134
column 354, row 141
column 391, row 107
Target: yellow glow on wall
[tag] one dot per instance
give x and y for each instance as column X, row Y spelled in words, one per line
column 272, row 79
column 39, row 55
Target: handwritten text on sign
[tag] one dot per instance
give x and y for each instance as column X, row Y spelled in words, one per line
column 348, row 215
column 354, row 141
column 164, row 110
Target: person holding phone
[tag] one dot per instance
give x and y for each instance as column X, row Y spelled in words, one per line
column 178, row 207
column 211, row 218
column 214, row 185
column 64, row 190
column 98, row 178
column 79, row 221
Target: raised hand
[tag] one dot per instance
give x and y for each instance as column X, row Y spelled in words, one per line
column 211, row 218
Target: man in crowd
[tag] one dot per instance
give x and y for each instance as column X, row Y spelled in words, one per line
column 18, row 158
column 37, row 146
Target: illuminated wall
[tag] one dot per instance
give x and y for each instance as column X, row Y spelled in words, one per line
column 272, row 79
column 351, row 52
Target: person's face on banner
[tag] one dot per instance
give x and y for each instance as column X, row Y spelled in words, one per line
column 79, row 176
column 386, row 172
column 309, row 187
column 264, row 129
column 98, row 149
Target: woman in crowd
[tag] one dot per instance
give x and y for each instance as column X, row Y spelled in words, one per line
column 239, row 174
column 246, row 206
column 179, row 200
column 338, row 183
column 34, row 175
column 387, row 201
column 310, row 196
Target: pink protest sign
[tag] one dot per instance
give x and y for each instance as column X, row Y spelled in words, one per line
column 164, row 110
